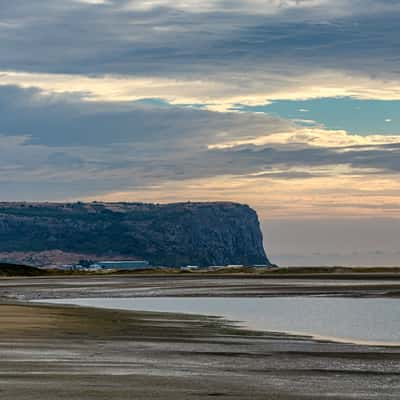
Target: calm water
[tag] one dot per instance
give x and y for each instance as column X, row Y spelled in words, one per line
column 374, row 321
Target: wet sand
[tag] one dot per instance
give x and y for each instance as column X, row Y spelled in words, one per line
column 225, row 285
column 59, row 352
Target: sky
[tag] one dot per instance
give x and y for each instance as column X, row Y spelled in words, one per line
column 290, row 106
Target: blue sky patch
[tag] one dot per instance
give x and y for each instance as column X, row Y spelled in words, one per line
column 355, row 116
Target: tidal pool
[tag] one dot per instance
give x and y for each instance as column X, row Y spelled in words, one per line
column 355, row 320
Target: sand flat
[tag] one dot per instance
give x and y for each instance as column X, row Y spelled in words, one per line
column 60, row 352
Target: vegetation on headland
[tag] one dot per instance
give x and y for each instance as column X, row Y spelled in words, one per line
column 7, row 269
column 169, row 234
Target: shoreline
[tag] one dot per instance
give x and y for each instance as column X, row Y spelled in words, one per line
column 238, row 325
column 197, row 285
column 81, row 353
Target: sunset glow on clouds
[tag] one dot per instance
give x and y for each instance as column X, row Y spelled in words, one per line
column 220, row 94
column 168, row 101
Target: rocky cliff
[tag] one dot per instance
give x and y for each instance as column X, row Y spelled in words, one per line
column 172, row 234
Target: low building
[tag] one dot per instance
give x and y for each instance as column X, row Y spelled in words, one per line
column 128, row 265
column 190, row 268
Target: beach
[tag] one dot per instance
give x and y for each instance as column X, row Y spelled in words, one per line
column 71, row 352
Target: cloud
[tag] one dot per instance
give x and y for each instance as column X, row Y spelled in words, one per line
column 118, row 99
column 218, row 95
column 289, row 8
column 330, row 197
column 244, row 6
column 214, row 53
column 93, row 1
column 313, row 137
column 70, row 148
column 68, row 121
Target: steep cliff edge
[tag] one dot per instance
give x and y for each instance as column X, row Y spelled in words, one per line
column 171, row 234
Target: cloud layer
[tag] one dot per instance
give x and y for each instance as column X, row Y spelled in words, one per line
column 141, row 100
column 219, row 52
column 67, row 147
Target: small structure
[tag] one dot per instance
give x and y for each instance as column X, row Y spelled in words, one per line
column 127, row 265
column 190, row 268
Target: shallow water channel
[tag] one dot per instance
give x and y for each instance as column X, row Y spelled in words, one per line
column 356, row 320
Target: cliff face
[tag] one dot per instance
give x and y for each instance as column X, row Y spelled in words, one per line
column 173, row 234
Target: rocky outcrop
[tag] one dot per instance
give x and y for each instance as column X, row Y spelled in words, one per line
column 171, row 235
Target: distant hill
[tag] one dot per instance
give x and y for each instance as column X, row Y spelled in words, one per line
column 19, row 270
column 171, row 235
